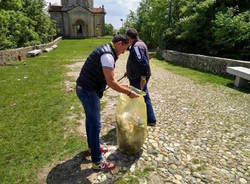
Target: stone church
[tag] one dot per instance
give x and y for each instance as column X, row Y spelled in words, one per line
column 78, row 19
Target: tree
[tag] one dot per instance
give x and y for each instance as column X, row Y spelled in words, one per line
column 150, row 21
column 44, row 26
column 211, row 27
column 131, row 20
column 4, row 24
column 232, row 34
column 195, row 25
column 122, row 30
column 10, row 5
column 24, row 23
column 109, row 29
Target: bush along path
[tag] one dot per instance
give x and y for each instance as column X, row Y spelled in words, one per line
column 201, row 136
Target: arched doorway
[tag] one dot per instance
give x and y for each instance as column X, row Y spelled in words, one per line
column 80, row 29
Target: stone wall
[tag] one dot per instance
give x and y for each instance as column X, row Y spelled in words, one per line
column 214, row 65
column 99, row 24
column 6, row 56
column 58, row 17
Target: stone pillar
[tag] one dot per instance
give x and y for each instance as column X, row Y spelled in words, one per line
column 240, row 82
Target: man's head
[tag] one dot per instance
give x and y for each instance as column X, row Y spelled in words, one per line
column 132, row 35
column 121, row 44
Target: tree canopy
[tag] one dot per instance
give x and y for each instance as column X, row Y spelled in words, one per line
column 109, row 29
column 212, row 27
column 24, row 23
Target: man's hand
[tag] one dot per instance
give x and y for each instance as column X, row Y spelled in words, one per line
column 143, row 82
column 133, row 94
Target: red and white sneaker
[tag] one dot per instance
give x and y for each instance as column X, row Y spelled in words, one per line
column 103, row 166
column 103, row 149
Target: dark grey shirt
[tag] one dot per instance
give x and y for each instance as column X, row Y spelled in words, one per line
column 138, row 61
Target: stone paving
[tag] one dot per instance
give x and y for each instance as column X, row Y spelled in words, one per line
column 201, row 136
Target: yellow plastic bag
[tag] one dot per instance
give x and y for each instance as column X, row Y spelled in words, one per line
column 131, row 119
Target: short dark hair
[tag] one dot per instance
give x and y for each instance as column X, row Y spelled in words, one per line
column 118, row 38
column 132, row 33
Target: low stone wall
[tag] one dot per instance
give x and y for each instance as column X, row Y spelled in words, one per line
column 6, row 56
column 214, row 65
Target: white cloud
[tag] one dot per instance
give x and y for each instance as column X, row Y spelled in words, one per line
column 116, row 9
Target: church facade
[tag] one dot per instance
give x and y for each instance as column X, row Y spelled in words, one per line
column 78, row 19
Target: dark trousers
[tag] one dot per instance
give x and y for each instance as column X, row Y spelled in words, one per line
column 150, row 112
column 91, row 105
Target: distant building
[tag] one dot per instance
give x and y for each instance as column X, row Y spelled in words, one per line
column 78, row 18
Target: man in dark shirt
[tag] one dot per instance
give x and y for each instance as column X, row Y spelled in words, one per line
column 138, row 70
column 96, row 73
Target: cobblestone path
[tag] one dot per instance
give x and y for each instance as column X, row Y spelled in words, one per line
column 201, row 136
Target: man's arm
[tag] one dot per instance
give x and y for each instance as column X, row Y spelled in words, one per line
column 109, row 76
column 140, row 55
column 142, row 59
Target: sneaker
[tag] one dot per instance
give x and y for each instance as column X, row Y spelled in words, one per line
column 103, row 166
column 103, row 149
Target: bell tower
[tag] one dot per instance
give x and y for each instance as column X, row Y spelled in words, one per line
column 91, row 4
column 82, row 3
column 64, row 3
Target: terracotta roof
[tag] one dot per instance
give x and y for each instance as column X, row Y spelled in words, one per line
column 55, row 8
column 97, row 10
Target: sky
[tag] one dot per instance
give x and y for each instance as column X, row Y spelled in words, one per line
column 115, row 9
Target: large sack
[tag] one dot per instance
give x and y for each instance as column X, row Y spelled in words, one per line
column 131, row 118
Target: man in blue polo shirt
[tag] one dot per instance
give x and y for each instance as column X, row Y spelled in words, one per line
column 96, row 73
column 138, row 70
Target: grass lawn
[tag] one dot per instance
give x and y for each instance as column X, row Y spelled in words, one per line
column 200, row 77
column 33, row 108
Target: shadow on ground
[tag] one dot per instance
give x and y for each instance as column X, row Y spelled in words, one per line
column 110, row 137
column 70, row 171
column 245, row 89
column 78, row 169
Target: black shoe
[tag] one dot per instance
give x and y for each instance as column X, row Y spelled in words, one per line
column 152, row 123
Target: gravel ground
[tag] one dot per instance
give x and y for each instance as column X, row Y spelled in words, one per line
column 201, row 136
